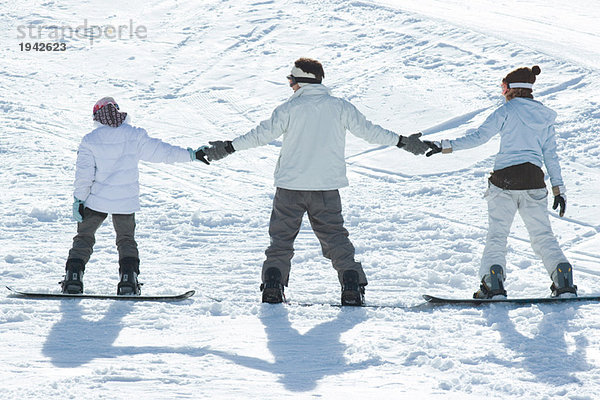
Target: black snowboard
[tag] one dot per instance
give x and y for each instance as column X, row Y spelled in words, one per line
column 38, row 295
column 523, row 301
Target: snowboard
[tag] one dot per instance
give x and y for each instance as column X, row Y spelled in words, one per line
column 293, row 303
column 524, row 301
column 40, row 295
column 338, row 305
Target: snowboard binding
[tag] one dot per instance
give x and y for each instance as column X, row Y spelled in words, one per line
column 562, row 281
column 272, row 289
column 129, row 268
column 73, row 282
column 353, row 293
column 495, row 286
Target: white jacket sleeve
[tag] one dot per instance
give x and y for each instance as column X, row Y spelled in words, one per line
column 490, row 127
column 157, row 151
column 265, row 132
column 85, row 172
column 360, row 126
column 551, row 158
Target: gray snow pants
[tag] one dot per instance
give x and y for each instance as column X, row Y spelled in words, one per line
column 324, row 210
column 83, row 242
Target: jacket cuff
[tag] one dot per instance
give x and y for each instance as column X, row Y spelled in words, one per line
column 400, row 144
column 446, row 147
column 557, row 190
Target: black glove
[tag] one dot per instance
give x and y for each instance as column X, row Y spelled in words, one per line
column 412, row 144
column 436, row 147
column 218, row 150
column 560, row 200
column 200, row 156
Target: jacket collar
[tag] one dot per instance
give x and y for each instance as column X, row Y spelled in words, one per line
column 314, row 89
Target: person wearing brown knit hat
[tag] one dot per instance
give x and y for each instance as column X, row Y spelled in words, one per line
column 527, row 142
column 521, row 82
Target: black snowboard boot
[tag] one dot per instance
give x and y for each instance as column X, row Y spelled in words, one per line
column 353, row 293
column 129, row 268
column 73, row 282
column 562, row 281
column 272, row 289
column 491, row 285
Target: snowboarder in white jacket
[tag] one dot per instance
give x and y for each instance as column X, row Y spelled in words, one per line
column 107, row 182
column 527, row 142
column 310, row 170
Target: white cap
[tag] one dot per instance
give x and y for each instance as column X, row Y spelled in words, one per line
column 298, row 73
column 521, row 85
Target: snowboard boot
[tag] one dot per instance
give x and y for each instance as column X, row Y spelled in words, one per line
column 73, row 282
column 129, row 268
column 562, row 281
column 492, row 285
column 353, row 293
column 272, row 289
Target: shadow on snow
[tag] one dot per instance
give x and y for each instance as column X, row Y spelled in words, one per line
column 545, row 355
column 301, row 360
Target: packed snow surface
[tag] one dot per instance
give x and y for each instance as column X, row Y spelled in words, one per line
column 212, row 70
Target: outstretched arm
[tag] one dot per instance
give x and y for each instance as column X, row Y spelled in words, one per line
column 490, row 127
column 155, row 150
column 264, row 133
column 361, row 127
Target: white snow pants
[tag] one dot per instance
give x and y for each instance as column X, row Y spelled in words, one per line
column 533, row 208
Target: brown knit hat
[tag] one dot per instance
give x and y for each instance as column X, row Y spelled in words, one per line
column 522, row 75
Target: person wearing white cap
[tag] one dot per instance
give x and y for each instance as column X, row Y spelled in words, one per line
column 527, row 142
column 310, row 170
column 107, row 182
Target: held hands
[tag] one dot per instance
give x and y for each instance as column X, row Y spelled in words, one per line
column 413, row 144
column 443, row 146
column 218, row 150
column 78, row 207
column 198, row 154
column 435, row 147
column 560, row 199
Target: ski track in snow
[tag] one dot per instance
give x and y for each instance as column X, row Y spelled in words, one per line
column 212, row 71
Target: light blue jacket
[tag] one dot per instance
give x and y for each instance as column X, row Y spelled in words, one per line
column 527, row 134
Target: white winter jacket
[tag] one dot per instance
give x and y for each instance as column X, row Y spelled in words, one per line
column 526, row 129
column 313, row 124
column 107, row 175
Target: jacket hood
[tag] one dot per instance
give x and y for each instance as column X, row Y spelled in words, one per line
column 532, row 113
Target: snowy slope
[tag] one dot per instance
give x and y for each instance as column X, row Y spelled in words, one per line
column 212, row 70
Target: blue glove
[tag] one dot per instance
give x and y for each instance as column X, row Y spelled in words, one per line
column 198, row 154
column 78, row 210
